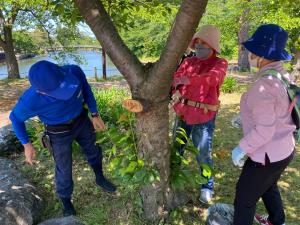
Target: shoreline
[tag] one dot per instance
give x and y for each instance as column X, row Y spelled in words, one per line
column 19, row 57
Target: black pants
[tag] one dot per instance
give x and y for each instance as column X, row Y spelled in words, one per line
column 257, row 181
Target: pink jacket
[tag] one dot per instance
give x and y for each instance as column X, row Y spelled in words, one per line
column 205, row 79
column 267, row 125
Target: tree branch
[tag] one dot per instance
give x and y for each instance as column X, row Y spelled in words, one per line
column 2, row 43
column 2, row 19
column 14, row 15
column 100, row 23
column 50, row 40
column 185, row 24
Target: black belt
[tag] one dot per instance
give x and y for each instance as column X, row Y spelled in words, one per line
column 67, row 126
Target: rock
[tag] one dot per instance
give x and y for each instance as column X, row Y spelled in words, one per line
column 8, row 141
column 236, row 121
column 19, row 202
column 70, row 220
column 220, row 214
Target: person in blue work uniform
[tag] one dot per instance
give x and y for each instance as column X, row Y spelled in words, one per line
column 57, row 96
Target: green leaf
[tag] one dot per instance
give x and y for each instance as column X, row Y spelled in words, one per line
column 206, row 170
column 132, row 165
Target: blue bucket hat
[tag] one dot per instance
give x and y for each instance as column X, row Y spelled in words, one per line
column 269, row 42
column 51, row 79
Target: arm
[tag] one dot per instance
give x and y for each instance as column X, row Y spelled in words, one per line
column 86, row 89
column 18, row 116
column 212, row 78
column 262, row 103
column 89, row 98
column 180, row 74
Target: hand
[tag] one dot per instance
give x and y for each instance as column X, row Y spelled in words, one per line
column 175, row 98
column 181, row 80
column 29, row 153
column 98, row 124
column 237, row 156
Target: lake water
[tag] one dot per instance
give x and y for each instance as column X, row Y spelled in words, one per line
column 92, row 59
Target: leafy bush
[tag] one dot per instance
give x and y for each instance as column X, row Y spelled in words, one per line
column 109, row 103
column 183, row 174
column 230, row 85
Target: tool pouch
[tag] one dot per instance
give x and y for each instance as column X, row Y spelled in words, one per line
column 46, row 142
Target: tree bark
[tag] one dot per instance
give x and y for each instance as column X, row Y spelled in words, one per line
column 243, row 62
column 8, row 46
column 153, row 144
column 150, row 85
column 10, row 57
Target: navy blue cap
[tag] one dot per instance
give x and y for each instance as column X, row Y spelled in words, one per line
column 49, row 78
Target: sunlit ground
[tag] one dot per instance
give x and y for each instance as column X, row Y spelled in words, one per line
column 96, row 207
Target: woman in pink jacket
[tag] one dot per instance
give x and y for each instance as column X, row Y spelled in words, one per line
column 197, row 82
column 268, row 130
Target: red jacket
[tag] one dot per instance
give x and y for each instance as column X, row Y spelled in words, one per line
column 205, row 78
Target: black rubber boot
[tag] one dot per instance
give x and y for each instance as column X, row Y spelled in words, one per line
column 68, row 209
column 105, row 184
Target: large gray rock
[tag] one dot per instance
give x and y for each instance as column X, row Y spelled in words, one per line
column 8, row 141
column 220, row 214
column 19, row 201
column 70, row 220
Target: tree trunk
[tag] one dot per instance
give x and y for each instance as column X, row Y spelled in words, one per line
column 153, row 136
column 10, row 57
column 243, row 62
column 103, row 63
column 12, row 64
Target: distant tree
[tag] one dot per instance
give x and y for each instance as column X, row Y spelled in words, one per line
column 24, row 43
column 8, row 15
column 243, row 35
column 19, row 14
column 285, row 13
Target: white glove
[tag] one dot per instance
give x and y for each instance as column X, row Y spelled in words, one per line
column 237, row 156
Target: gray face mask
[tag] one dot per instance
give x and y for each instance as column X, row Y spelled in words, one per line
column 202, row 52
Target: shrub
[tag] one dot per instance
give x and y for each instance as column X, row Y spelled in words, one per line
column 109, row 103
column 229, row 85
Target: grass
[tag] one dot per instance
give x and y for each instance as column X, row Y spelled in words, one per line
column 110, row 78
column 96, row 207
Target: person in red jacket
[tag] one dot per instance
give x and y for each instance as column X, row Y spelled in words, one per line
column 197, row 85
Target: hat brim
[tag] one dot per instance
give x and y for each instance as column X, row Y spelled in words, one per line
column 192, row 45
column 67, row 88
column 260, row 51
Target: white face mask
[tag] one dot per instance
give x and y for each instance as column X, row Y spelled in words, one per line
column 254, row 62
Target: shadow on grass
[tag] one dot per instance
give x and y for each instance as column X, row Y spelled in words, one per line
column 96, row 207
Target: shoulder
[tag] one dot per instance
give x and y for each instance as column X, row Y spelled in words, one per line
column 221, row 61
column 269, row 85
column 29, row 95
column 29, row 99
column 75, row 70
column 188, row 60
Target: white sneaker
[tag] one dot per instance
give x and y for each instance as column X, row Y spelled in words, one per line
column 206, row 196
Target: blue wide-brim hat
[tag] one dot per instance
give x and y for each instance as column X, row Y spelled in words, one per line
column 49, row 78
column 269, row 42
